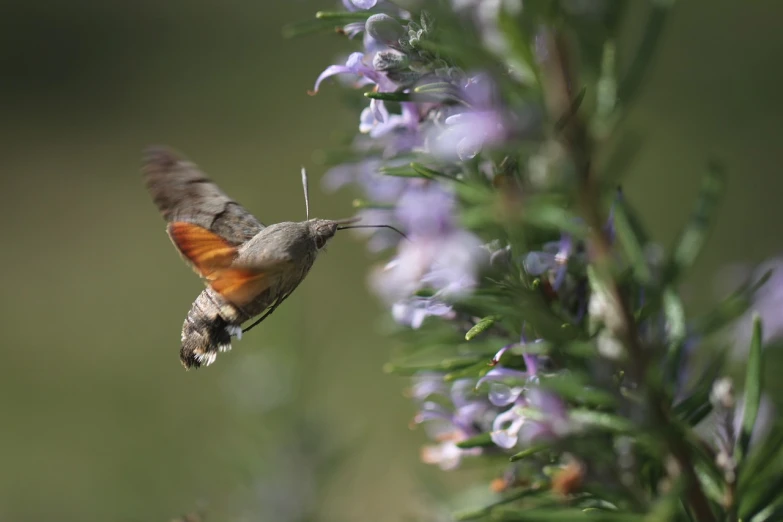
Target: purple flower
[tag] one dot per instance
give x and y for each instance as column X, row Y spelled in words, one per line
column 448, row 426
column 512, row 426
column 553, row 260
column 767, row 302
column 355, row 65
column 478, row 126
column 353, row 29
column 439, row 255
column 468, row 409
column 446, row 454
column 376, row 186
column 376, row 121
column 355, row 5
column 448, row 264
column 426, row 384
column 506, row 428
column 500, row 393
column 427, row 210
column 554, row 421
column 361, row 65
column 415, row 310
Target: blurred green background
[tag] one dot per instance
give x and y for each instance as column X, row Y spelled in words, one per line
column 99, row 421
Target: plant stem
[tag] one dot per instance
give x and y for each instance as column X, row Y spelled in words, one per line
column 560, row 89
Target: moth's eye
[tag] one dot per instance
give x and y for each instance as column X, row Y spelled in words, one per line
column 320, row 242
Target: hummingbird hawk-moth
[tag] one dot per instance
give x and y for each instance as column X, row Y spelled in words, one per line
column 249, row 268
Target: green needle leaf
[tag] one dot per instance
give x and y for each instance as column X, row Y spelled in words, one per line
column 693, row 237
column 631, row 241
column 480, row 327
column 532, row 450
column 753, row 386
column 343, row 16
column 479, row 441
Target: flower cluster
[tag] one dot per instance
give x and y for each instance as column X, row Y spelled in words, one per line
column 537, row 320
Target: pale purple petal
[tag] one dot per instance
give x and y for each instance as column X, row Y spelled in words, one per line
column 502, row 395
column 555, row 416
column 366, row 120
column 378, row 109
column 466, row 134
column 546, row 402
column 455, row 266
column 330, row 71
column 414, row 311
column 479, row 91
column 390, row 124
column 499, row 374
column 768, row 303
column 338, row 177
column 466, row 417
column 426, row 384
column 462, row 392
column 505, row 429
column 431, row 411
column 536, row 263
column 426, row 210
column 380, row 238
column 531, row 362
column 499, row 354
column 416, row 318
column 446, row 455
column 355, row 62
column 410, row 115
column 363, row 4
column 438, row 255
column 353, row 29
column 561, row 259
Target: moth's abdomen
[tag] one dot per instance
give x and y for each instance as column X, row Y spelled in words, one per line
column 208, row 328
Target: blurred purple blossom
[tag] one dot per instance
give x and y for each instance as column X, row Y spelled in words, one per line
column 513, row 426
column 467, row 416
column 356, row 65
column 376, row 186
column 519, row 390
column 767, row 302
column 480, row 124
column 355, row 5
column 376, row 121
column 413, row 311
column 552, row 260
column 439, row 254
column 500, row 393
column 353, row 29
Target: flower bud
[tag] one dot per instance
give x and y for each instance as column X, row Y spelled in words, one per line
column 389, row 60
column 364, row 4
column 384, row 28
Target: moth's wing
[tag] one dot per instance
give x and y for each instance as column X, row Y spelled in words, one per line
column 206, row 251
column 183, row 193
column 214, row 259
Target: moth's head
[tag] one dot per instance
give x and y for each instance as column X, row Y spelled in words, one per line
column 322, row 231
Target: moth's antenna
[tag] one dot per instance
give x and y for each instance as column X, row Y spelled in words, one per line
column 306, row 193
column 375, row 226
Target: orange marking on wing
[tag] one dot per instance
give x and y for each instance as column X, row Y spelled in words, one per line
column 212, row 258
column 239, row 286
column 207, row 251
